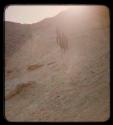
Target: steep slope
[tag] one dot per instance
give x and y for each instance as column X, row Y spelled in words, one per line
column 49, row 84
column 15, row 36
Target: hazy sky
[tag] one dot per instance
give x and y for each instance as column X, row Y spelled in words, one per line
column 31, row 14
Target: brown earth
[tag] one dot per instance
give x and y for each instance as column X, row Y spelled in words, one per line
column 63, row 86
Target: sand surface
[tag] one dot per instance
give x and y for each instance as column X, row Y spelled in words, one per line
column 45, row 83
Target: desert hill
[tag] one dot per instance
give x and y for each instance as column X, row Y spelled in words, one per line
column 58, row 69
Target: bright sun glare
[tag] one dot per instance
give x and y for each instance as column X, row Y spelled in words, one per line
column 32, row 14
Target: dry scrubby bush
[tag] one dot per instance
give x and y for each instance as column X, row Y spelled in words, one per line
column 9, row 71
column 34, row 66
column 18, row 89
column 62, row 40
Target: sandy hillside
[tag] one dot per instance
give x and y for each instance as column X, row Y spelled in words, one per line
column 58, row 69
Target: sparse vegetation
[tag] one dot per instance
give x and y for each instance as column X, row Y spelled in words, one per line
column 50, row 63
column 9, row 71
column 62, row 40
column 34, row 67
column 58, row 75
column 18, row 89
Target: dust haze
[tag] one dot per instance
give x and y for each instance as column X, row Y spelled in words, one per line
column 57, row 69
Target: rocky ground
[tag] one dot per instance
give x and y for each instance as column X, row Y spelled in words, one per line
column 47, row 81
